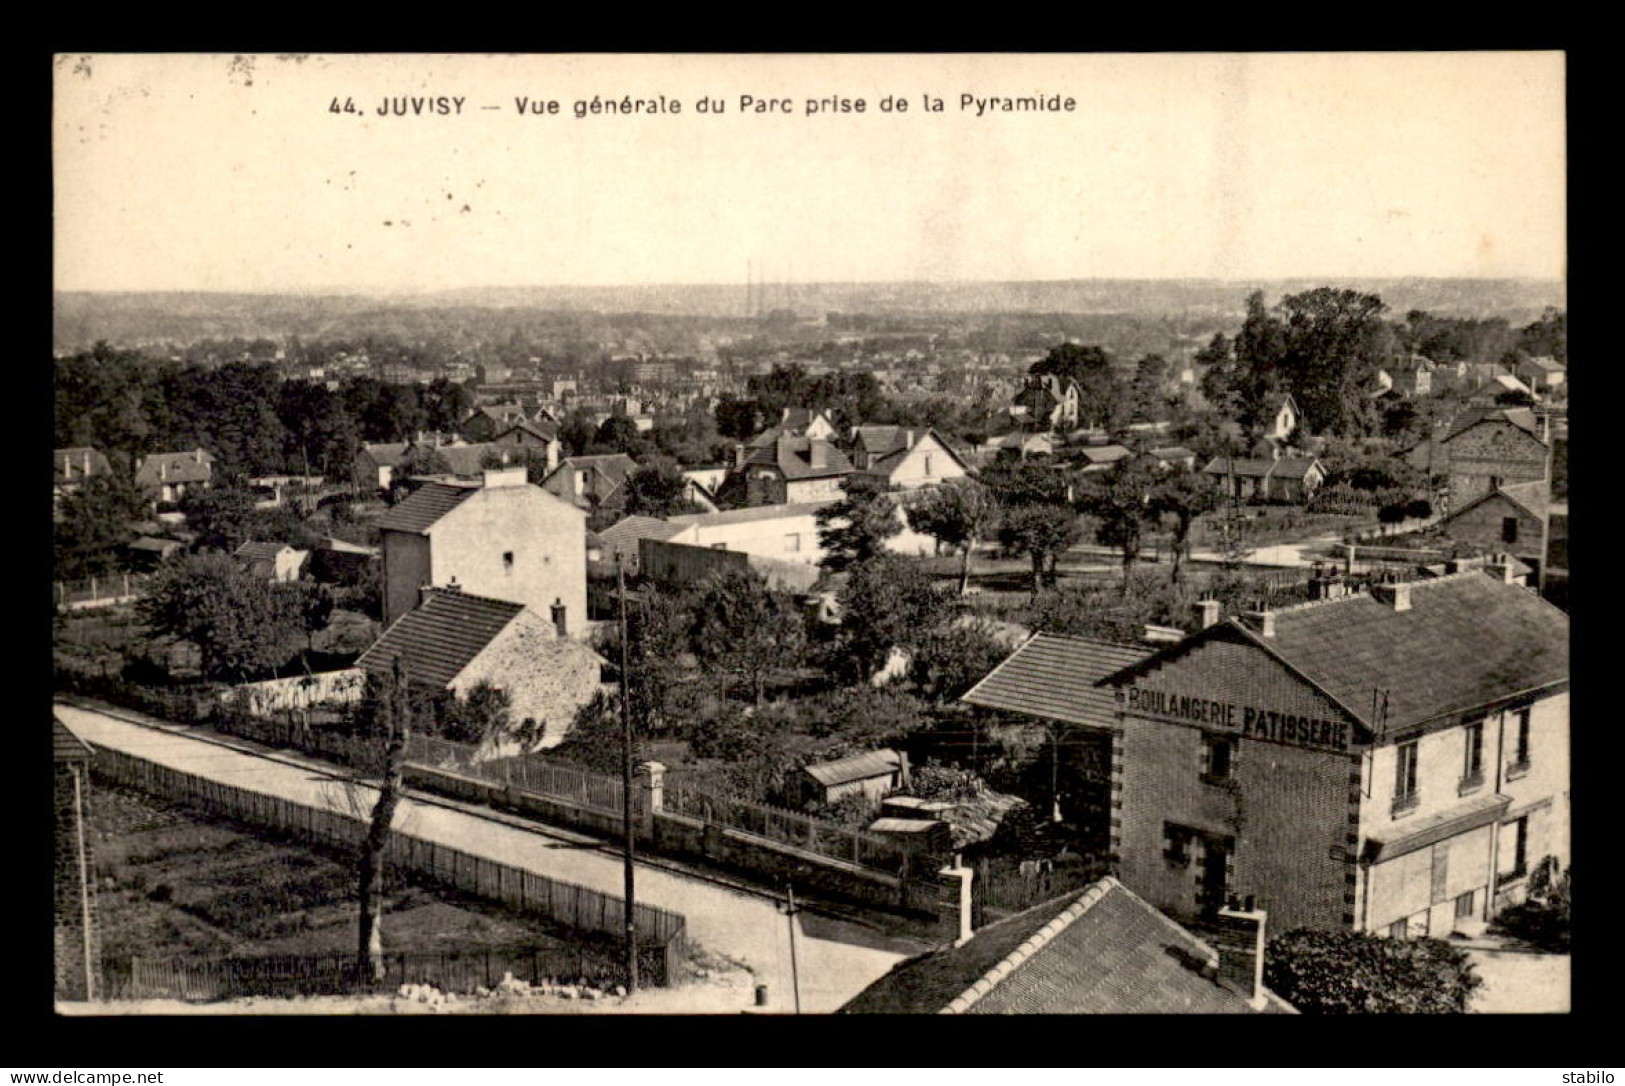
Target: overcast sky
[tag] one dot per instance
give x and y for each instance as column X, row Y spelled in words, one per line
column 222, row 173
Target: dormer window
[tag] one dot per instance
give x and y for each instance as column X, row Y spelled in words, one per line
column 507, row 559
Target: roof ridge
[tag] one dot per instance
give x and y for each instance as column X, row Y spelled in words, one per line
column 1033, row 944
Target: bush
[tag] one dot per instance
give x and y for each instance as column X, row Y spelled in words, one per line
column 1324, row 972
column 1543, row 918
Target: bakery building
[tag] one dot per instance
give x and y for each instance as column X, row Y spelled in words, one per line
column 1391, row 761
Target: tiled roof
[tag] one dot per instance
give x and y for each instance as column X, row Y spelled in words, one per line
column 440, row 637
column 793, row 457
column 386, row 455
column 469, row 460
column 424, row 507
column 1546, row 365
column 1521, row 417
column 632, row 529
column 1104, row 454
column 612, row 466
column 1525, row 496
column 259, row 552
column 1172, row 452
column 70, row 464
column 544, row 430
column 180, row 467
column 156, row 546
column 65, row 745
column 1288, row 467
column 1101, row 950
column 750, row 513
column 1467, row 640
column 859, row 767
column 1054, row 676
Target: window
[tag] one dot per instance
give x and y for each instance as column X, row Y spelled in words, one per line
column 507, row 559
column 1217, row 757
column 1509, row 529
column 1176, row 844
column 1464, row 905
column 1514, row 862
column 1520, row 748
column 1405, row 796
column 928, row 463
column 792, row 542
column 1472, row 770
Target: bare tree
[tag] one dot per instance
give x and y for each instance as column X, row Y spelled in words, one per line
column 395, row 719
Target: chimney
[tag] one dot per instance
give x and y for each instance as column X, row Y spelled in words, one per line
column 496, row 478
column 560, row 622
column 87, row 463
column 1207, row 613
column 1263, row 621
column 739, row 457
column 198, row 456
column 908, row 439
column 1396, row 595
column 1348, row 559
column 1238, row 936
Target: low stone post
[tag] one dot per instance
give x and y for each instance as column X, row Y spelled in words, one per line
column 652, row 781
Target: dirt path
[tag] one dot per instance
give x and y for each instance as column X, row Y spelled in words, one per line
column 745, row 928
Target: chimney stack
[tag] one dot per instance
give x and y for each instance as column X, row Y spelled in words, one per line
column 739, row 457
column 1237, row 933
column 87, row 463
column 1264, row 621
column 1396, row 595
column 1207, row 613
column 560, row 622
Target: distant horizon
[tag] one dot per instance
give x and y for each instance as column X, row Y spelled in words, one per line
column 741, row 283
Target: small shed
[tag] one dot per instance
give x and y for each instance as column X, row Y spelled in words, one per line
column 871, row 774
column 923, row 836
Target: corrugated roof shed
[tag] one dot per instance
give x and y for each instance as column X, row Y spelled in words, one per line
column 1054, row 676
column 440, row 637
column 859, row 767
column 1101, row 950
column 424, row 506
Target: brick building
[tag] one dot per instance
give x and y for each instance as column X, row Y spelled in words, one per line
column 1392, row 762
column 1487, row 449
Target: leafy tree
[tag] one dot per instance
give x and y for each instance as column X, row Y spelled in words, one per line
column 950, row 659
column 315, row 603
column 221, row 515
column 737, row 418
column 595, row 739
column 659, row 626
column 1548, row 337
column 855, row 529
column 1043, row 533
column 445, row 404
column 887, row 602
column 658, row 489
column 240, row 623
column 577, row 432
column 422, row 459
column 619, row 434
column 485, row 712
column 95, row 522
column 1101, row 396
column 1119, row 501
column 1331, row 354
column 1337, row 972
column 744, row 630
column 1150, row 375
column 957, row 515
column 396, row 718
column 1024, row 482
column 1184, row 496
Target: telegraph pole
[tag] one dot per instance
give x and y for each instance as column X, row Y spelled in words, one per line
column 626, row 789
column 790, row 910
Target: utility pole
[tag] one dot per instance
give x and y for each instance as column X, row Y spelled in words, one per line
column 790, row 910
column 626, row 789
column 1055, row 774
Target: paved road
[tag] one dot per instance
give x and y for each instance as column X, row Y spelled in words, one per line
column 832, row 959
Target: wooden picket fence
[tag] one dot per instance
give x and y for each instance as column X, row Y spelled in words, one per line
column 567, row 904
